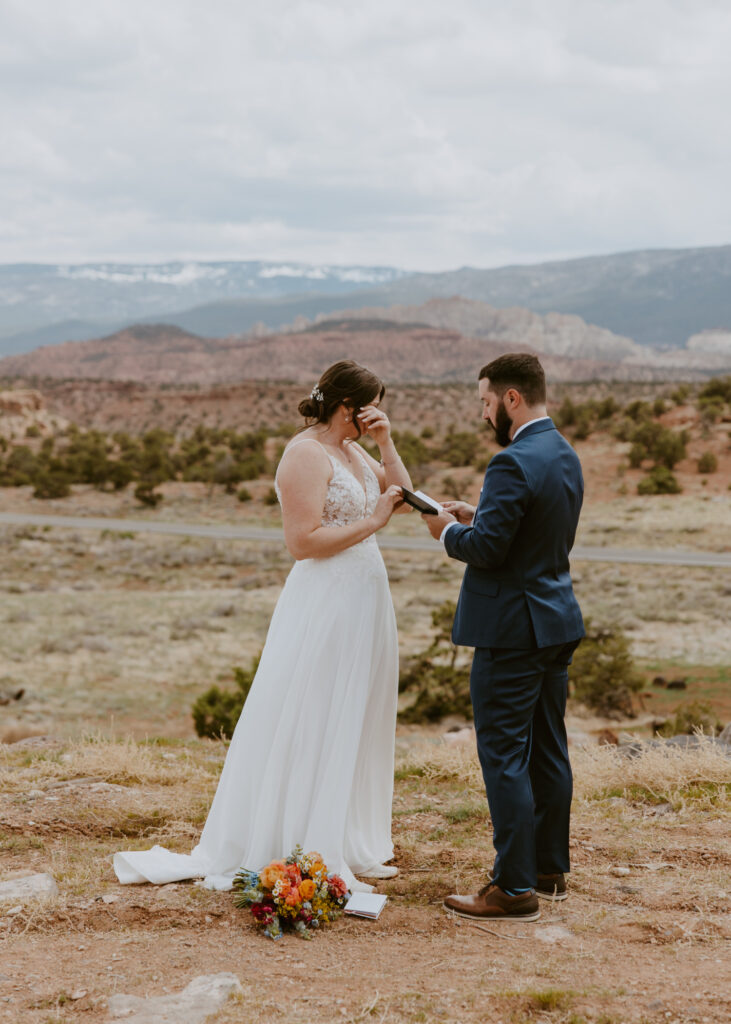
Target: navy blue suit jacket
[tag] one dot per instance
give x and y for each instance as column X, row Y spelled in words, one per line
column 517, row 590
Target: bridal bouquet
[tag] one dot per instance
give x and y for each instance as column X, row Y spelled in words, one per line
column 295, row 893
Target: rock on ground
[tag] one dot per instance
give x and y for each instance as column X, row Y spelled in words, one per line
column 31, row 886
column 204, row 996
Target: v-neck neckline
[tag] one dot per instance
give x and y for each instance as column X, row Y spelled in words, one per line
column 349, row 470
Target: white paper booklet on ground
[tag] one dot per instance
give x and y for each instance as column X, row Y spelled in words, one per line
column 366, row 904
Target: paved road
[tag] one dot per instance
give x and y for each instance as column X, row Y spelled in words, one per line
column 224, row 531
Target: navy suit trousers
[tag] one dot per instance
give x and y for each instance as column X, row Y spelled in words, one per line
column 519, row 702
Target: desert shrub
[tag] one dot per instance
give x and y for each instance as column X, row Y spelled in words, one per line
column 120, row 474
column 669, row 448
column 623, row 429
column 33, row 430
column 659, row 480
column 651, row 440
column 427, row 433
column 607, row 408
column 411, row 448
column 147, row 495
column 438, row 685
column 711, row 410
column 707, row 463
column 460, row 447
column 638, row 411
column 680, row 395
column 658, row 407
column 50, row 485
column 270, row 498
column 584, row 423
column 717, row 389
column 565, row 416
column 602, row 674
column 689, row 716
column 243, row 494
column 216, row 712
column 20, row 467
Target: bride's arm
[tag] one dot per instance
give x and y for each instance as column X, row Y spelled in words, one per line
column 391, row 469
column 303, row 483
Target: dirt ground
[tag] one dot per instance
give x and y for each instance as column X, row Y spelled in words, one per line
column 649, row 945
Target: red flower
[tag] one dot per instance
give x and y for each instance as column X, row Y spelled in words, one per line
column 336, row 886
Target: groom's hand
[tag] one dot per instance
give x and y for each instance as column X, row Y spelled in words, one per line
column 437, row 523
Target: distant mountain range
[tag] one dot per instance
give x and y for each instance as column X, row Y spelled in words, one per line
column 44, row 304
column 418, row 344
column 656, row 298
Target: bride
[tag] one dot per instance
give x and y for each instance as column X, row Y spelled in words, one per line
column 311, row 759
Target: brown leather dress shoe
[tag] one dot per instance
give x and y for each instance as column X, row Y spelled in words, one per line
column 492, row 904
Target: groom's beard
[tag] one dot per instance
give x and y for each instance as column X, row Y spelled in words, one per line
column 502, row 425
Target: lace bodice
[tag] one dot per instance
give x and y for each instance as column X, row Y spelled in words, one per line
column 347, row 501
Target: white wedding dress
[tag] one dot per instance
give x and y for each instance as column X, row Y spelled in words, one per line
column 311, row 760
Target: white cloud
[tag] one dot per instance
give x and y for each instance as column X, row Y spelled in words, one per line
column 422, row 134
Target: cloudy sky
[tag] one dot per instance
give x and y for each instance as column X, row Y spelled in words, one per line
column 426, row 134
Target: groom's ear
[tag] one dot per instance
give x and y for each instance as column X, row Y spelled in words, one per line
column 512, row 398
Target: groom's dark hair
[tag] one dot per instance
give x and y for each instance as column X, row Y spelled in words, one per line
column 518, row 370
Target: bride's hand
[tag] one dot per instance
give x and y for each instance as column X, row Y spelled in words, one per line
column 390, row 500
column 461, row 511
column 375, row 423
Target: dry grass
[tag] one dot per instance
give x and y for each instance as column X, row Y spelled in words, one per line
column 695, row 779
column 622, row 944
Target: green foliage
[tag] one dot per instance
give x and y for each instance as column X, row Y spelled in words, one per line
column 566, row 415
column 411, row 448
column 659, row 480
column 460, row 447
column 243, row 494
column 707, row 463
column 717, row 389
column 638, row 411
column 105, row 461
column 658, row 407
column 216, row 712
column 689, row 716
column 680, row 395
column 651, row 440
column 270, row 498
column 585, row 417
column 50, row 485
column 438, row 685
column 602, row 674
column 147, row 495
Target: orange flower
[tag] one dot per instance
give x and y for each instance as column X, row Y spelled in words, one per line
column 318, row 868
column 307, row 889
column 293, row 898
column 272, row 873
column 294, row 874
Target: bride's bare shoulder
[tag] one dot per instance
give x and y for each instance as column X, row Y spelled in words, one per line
column 303, row 455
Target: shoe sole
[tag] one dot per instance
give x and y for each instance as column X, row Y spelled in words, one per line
column 494, row 920
column 552, row 897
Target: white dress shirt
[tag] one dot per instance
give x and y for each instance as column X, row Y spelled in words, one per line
column 521, row 427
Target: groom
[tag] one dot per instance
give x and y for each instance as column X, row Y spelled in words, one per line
column 517, row 609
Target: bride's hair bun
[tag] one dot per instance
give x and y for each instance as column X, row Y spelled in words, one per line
column 344, row 383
